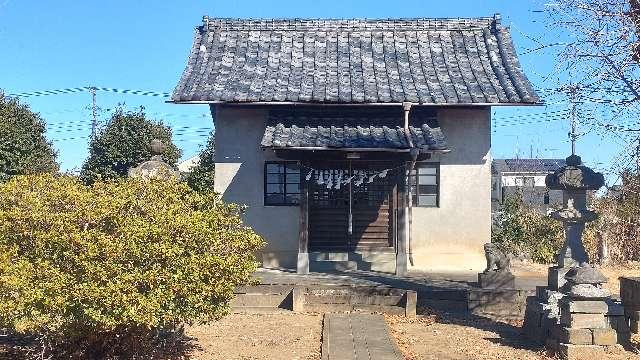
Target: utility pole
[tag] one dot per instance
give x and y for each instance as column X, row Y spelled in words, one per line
column 94, row 112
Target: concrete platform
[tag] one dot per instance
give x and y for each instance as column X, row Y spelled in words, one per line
column 452, row 292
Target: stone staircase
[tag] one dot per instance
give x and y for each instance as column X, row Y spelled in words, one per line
column 366, row 260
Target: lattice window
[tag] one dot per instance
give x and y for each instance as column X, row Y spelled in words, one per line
column 281, row 183
column 424, row 184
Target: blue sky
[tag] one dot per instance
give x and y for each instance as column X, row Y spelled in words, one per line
column 143, row 45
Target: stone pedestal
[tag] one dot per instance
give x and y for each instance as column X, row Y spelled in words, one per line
column 497, row 280
column 574, row 315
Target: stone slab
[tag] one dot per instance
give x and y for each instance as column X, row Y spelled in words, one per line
column 584, row 306
column 583, row 321
column 266, row 289
column 257, row 300
column 572, row 336
column 580, row 352
column 604, row 337
column 497, row 280
column 357, row 337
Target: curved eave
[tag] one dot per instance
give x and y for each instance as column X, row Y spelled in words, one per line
column 394, row 150
column 294, row 103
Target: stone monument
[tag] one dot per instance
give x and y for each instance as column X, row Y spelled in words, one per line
column 155, row 167
column 498, row 274
column 574, row 315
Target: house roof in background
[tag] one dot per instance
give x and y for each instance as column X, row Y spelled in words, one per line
column 526, row 165
column 426, row 61
column 327, row 130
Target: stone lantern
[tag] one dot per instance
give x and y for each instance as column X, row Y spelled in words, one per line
column 155, row 167
column 574, row 179
column 574, row 315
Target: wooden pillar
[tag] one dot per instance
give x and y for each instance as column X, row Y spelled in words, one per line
column 303, row 238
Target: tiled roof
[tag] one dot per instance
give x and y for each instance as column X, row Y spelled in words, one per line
column 526, row 165
column 351, row 130
column 427, row 61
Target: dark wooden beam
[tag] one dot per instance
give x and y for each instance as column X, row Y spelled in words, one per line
column 304, row 155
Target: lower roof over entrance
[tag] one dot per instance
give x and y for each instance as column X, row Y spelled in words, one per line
column 352, row 130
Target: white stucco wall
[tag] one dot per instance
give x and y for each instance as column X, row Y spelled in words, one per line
column 239, row 178
column 451, row 237
column 446, row 238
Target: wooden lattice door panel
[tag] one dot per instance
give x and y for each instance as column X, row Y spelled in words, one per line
column 371, row 210
column 329, row 209
column 330, row 226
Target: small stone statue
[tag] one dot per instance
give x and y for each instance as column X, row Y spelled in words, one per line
column 496, row 260
column 498, row 274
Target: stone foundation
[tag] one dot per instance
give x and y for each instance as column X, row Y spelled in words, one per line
column 576, row 328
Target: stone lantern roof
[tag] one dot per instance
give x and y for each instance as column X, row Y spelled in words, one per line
column 574, row 176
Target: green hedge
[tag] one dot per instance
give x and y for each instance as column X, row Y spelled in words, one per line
column 524, row 231
column 95, row 262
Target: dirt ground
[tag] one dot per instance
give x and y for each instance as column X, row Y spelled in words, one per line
column 272, row 336
column 437, row 337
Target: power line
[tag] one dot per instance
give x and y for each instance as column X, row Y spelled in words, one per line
column 89, row 89
column 94, row 113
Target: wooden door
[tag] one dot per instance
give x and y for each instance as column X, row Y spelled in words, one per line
column 372, row 211
column 352, row 215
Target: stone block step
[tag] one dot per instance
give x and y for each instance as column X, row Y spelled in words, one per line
column 259, row 310
column 265, row 300
column 324, row 266
column 329, row 256
column 373, row 257
column 390, row 300
column 367, row 256
column 366, row 260
column 264, row 289
column 341, row 308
